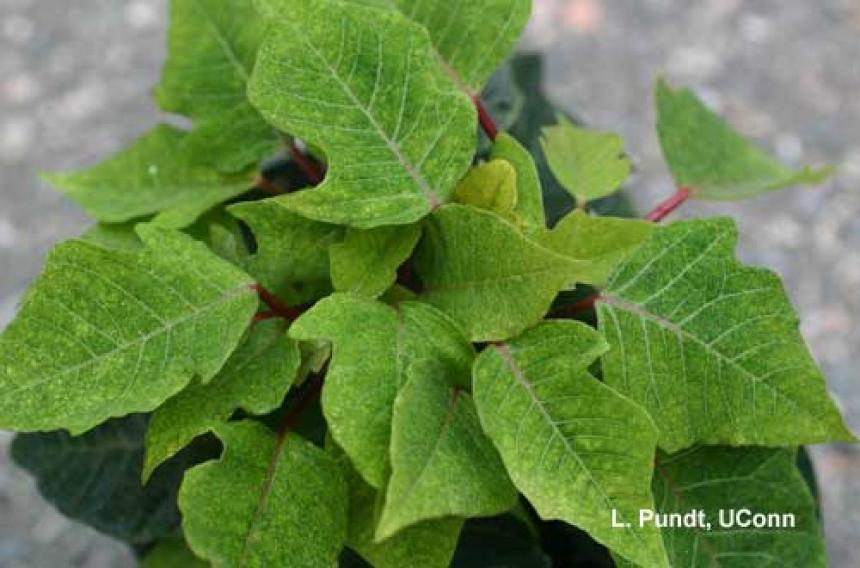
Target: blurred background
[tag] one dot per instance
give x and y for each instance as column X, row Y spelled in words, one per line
column 75, row 80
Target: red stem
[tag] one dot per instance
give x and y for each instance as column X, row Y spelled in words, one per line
column 575, row 309
column 267, row 185
column 277, row 306
column 665, row 208
column 487, row 122
column 308, row 166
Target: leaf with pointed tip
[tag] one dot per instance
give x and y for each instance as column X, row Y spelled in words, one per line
column 473, row 37
column 529, row 195
column 579, row 451
column 152, row 176
column 491, row 186
column 172, row 553
column 589, row 164
column 256, row 379
column 269, row 501
column 95, row 479
column 710, row 347
column 443, row 465
column 713, row 160
column 373, row 346
column 722, row 480
column 292, row 256
column 366, row 262
column 603, row 241
column 480, row 270
column 363, row 85
column 108, row 333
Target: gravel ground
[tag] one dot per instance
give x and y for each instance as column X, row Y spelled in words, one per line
column 74, row 85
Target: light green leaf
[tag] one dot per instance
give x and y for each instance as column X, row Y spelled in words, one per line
column 588, row 164
column 603, row 241
column 473, row 37
column 713, row 160
column 269, row 501
column 108, row 333
column 292, row 256
column 529, row 195
column 491, row 186
column 443, row 465
column 363, row 85
column 172, row 553
column 480, row 270
column 729, row 480
column 576, row 449
column 256, row 379
column 113, row 236
column 152, row 176
column 710, row 347
column 373, row 346
column 366, row 262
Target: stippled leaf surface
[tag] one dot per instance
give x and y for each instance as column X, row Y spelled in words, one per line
column 711, row 347
column 366, row 262
column 575, row 448
column 268, row 501
column 153, row 176
column 529, row 205
column 483, row 272
column 363, row 86
column 255, row 378
column 589, row 164
column 491, row 186
column 443, row 465
column 373, row 346
column 708, row 156
column 108, row 333
column 731, row 480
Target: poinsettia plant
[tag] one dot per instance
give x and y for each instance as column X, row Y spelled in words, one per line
column 381, row 305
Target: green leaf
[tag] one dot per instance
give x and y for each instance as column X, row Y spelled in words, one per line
column 579, row 451
column 713, row 160
column 724, row 480
column 491, row 186
column 292, row 256
column 95, row 479
column 480, row 270
column 115, row 237
column 152, row 176
column 589, row 164
column 710, row 347
column 255, row 379
column 473, row 37
column 443, row 465
column 172, row 553
column 363, row 85
column 366, row 262
column 529, row 196
column 108, row 333
column 603, row 241
column 269, row 501
column 373, row 347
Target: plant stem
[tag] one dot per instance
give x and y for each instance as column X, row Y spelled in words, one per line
column 267, row 185
column 308, row 165
column 487, row 122
column 277, row 306
column 668, row 206
column 575, row 309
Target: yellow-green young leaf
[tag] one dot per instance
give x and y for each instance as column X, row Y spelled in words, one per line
column 473, row 37
column 603, row 241
column 443, row 465
column 256, row 379
column 491, row 186
column 172, row 553
column 529, row 195
column 366, row 262
column 269, row 501
column 108, row 333
column 713, row 160
column 579, row 451
column 726, row 481
column 363, row 85
column 373, row 346
column 292, row 256
column 588, row 164
column 212, row 46
column 711, row 347
column 480, row 270
column 152, row 176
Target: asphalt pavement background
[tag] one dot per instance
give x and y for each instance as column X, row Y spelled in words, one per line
column 75, row 78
